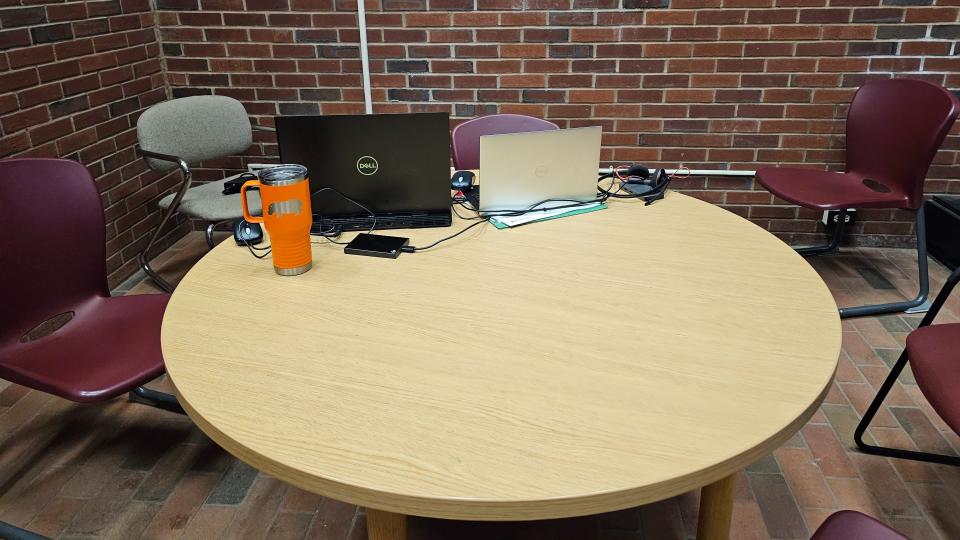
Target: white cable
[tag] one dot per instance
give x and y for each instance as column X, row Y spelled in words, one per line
column 710, row 172
column 364, row 56
column 693, row 172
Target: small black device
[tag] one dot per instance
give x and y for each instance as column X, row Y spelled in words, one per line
column 246, row 233
column 376, row 245
column 462, row 180
column 396, row 165
column 472, row 197
column 233, row 186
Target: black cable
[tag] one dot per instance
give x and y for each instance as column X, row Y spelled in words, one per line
column 373, row 223
column 607, row 192
column 487, row 214
column 602, row 196
column 332, row 231
column 251, row 246
column 535, row 208
column 330, row 239
column 413, row 249
column 267, row 250
column 465, row 218
column 329, row 235
column 655, row 194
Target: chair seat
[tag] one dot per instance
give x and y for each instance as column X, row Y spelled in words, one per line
column 207, row 202
column 824, row 190
column 932, row 351
column 850, row 525
column 111, row 346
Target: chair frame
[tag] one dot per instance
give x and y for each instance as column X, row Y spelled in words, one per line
column 919, row 304
column 139, row 394
column 144, row 257
column 895, row 371
column 156, row 399
column 11, row 532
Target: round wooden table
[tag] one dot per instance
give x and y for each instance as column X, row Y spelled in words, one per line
column 569, row 367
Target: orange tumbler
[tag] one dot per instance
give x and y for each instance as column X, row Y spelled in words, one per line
column 285, row 195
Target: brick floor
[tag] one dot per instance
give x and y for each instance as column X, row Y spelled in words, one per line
column 120, row 470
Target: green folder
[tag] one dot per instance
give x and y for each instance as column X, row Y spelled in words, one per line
column 572, row 212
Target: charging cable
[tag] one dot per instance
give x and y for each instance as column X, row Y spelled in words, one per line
column 414, row 249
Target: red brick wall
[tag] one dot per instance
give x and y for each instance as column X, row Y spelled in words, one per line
column 73, row 78
column 704, row 83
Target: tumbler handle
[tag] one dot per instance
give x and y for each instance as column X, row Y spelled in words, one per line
column 243, row 201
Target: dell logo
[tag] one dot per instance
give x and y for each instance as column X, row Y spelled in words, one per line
column 367, row 165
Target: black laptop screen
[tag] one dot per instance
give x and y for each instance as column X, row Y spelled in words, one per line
column 390, row 163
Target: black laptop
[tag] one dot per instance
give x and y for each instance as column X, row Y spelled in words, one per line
column 396, row 165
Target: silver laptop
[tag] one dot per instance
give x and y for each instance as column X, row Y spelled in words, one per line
column 519, row 170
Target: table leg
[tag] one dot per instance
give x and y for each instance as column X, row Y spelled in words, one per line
column 716, row 509
column 386, row 525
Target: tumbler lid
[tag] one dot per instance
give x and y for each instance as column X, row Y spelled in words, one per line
column 283, row 175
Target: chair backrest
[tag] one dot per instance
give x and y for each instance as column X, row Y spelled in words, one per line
column 466, row 136
column 194, row 128
column 894, row 128
column 53, row 243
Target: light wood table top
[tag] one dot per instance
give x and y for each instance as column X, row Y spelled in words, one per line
column 569, row 367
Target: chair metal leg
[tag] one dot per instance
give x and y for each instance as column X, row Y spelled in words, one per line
column 144, row 257
column 921, row 299
column 159, row 281
column 209, row 234
column 9, row 532
column 160, row 400
column 872, row 411
column 211, row 228
column 834, row 240
column 922, row 308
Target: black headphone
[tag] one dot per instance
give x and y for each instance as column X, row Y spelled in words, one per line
column 638, row 181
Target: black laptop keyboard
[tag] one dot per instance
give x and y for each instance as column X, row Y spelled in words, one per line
column 396, row 221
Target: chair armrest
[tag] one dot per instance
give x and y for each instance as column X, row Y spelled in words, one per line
column 941, row 299
column 166, row 157
column 262, row 128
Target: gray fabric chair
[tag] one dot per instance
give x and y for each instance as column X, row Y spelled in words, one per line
column 183, row 132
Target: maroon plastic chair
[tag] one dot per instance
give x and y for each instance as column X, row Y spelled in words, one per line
column 894, row 128
column 932, row 352
column 466, row 136
column 60, row 330
column 850, row 525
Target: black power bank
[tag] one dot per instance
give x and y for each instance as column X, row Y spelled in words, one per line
column 376, row 245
